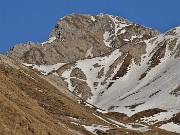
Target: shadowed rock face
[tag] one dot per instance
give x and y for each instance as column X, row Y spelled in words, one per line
column 75, row 34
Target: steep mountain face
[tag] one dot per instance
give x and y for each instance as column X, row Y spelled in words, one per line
column 129, row 71
column 77, row 37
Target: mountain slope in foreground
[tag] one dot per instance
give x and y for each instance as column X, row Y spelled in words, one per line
column 129, row 71
column 31, row 105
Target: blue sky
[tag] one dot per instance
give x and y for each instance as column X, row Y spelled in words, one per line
column 33, row 20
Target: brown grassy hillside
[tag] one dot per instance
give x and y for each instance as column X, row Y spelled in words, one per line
column 29, row 105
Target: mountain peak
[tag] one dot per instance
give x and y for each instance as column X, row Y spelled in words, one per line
column 75, row 34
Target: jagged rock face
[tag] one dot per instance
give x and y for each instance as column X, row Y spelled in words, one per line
column 78, row 36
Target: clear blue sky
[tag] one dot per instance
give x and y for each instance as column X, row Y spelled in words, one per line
column 33, row 20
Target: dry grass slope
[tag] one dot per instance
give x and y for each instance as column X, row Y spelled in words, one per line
column 30, row 105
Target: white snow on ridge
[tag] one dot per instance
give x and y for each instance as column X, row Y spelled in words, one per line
column 171, row 127
column 50, row 40
column 45, row 69
column 93, row 19
column 118, row 25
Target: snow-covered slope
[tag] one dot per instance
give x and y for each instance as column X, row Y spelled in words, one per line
column 156, row 89
column 152, row 83
column 157, row 72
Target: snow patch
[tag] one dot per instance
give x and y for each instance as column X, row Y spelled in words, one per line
column 95, row 127
column 66, row 75
column 89, row 52
column 45, row 69
column 140, row 127
column 101, row 118
column 93, row 19
column 88, row 105
column 55, row 73
column 102, row 111
column 126, row 39
column 75, row 123
column 106, row 37
column 171, row 127
column 135, row 36
column 162, row 116
column 122, row 31
column 50, row 40
column 118, row 24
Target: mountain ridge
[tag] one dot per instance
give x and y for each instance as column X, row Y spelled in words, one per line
column 101, row 34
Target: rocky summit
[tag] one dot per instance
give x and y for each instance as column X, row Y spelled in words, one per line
column 78, row 37
column 120, row 77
